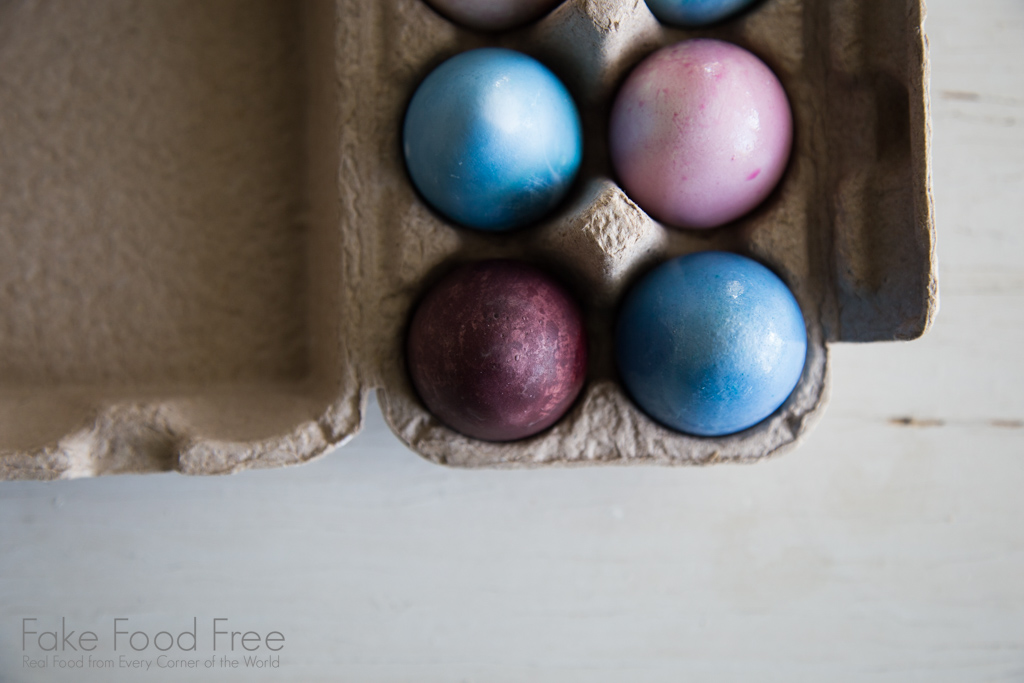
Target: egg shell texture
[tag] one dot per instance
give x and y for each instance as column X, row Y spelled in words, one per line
column 695, row 12
column 710, row 343
column 492, row 15
column 492, row 139
column 700, row 133
column 497, row 350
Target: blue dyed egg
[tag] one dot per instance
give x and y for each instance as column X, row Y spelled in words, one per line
column 695, row 12
column 710, row 343
column 492, row 139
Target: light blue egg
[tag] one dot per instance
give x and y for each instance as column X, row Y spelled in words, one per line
column 710, row 343
column 695, row 12
column 492, row 139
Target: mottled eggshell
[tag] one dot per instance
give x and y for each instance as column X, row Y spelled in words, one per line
column 710, row 343
column 492, row 139
column 695, row 12
column 700, row 133
column 497, row 350
column 492, row 15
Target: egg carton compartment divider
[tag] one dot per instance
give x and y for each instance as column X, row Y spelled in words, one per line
column 848, row 229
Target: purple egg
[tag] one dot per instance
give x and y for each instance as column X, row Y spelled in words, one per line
column 497, row 350
column 700, row 133
column 492, row 15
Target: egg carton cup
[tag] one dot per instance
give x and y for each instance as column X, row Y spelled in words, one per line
column 849, row 229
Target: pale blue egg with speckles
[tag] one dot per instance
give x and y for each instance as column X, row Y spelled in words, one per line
column 695, row 12
column 492, row 139
column 710, row 343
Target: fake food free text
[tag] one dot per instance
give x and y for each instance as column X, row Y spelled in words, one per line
column 222, row 637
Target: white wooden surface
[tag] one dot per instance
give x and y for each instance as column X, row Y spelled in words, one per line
column 878, row 551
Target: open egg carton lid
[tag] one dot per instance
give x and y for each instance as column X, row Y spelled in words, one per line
column 212, row 248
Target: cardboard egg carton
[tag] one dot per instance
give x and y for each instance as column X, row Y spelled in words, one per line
column 212, row 248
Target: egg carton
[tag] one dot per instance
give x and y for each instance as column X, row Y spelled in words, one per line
column 337, row 248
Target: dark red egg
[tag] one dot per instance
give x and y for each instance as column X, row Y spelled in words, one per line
column 497, row 350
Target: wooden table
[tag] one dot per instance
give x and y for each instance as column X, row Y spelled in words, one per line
column 889, row 547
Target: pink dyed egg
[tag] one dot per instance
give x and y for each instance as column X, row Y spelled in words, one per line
column 700, row 133
column 492, row 15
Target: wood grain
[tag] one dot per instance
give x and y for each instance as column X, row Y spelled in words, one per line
column 888, row 548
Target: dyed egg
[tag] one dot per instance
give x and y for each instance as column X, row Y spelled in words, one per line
column 700, row 133
column 497, row 350
column 492, row 15
column 710, row 343
column 695, row 12
column 492, row 139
